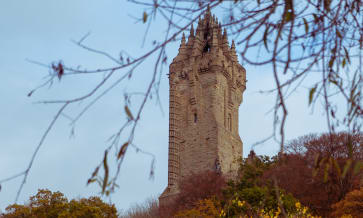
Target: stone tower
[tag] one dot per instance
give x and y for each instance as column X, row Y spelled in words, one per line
column 206, row 88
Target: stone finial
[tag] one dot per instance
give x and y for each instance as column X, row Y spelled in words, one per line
column 233, row 52
column 183, row 40
column 182, row 49
column 191, row 31
column 225, row 37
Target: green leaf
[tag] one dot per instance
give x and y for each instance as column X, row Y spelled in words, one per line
column 144, row 17
column 122, row 150
column 306, row 26
column 346, row 168
column 311, row 94
column 128, row 112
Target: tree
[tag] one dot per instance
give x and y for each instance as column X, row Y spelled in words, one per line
column 48, row 204
column 248, row 195
column 295, row 38
column 315, row 169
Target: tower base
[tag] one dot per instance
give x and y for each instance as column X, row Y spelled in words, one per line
column 168, row 196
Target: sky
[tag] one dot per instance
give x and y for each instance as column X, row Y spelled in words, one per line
column 43, row 31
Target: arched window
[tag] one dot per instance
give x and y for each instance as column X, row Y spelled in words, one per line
column 195, row 117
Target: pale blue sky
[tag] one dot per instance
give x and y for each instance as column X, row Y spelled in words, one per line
column 42, row 30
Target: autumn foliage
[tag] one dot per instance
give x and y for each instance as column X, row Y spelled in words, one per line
column 193, row 189
column 320, row 170
column 313, row 178
column 47, row 204
column 351, row 205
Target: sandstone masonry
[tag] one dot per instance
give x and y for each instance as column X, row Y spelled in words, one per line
column 206, row 89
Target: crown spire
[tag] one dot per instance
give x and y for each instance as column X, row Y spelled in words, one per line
column 208, row 10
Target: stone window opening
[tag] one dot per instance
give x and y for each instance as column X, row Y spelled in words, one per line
column 206, row 48
column 206, row 33
column 195, row 117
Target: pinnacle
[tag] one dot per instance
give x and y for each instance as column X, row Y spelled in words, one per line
column 191, row 31
column 183, row 40
column 225, row 33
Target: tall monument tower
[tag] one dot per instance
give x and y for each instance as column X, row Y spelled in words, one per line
column 206, row 89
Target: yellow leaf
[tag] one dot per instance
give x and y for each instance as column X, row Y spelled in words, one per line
column 306, row 26
column 105, row 166
column 122, row 150
column 128, row 112
column 144, row 17
column 311, row 94
column 346, row 168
